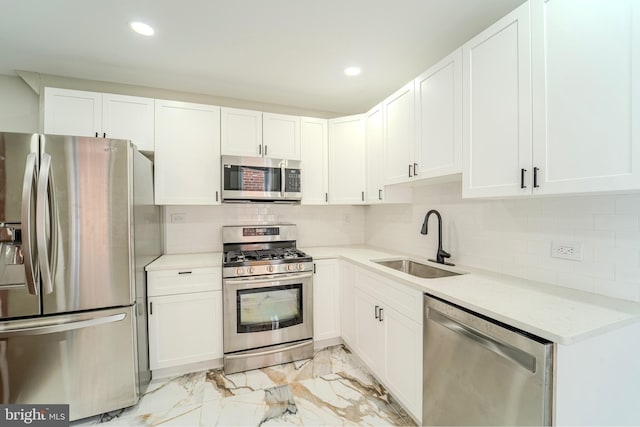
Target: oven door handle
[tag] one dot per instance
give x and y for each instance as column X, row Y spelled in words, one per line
column 269, row 279
column 253, row 353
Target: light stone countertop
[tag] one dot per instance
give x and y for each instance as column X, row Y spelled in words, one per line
column 561, row 315
column 185, row 261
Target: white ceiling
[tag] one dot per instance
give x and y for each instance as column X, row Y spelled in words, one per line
column 289, row 52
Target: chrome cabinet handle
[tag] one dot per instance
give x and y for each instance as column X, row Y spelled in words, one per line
column 376, row 309
column 415, row 169
column 380, row 319
column 260, row 149
column 265, row 149
column 31, row 266
column 535, row 177
column 380, row 194
column 522, row 171
column 410, row 176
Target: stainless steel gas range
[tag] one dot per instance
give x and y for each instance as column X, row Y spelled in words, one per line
column 267, row 297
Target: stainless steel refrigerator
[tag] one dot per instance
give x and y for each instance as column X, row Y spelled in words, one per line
column 77, row 226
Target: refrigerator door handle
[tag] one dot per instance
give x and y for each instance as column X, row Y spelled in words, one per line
column 46, row 213
column 31, row 266
column 48, row 327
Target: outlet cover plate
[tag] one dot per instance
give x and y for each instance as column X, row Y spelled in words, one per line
column 566, row 250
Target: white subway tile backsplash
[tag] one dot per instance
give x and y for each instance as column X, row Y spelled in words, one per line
column 616, row 222
column 576, row 281
column 627, row 204
column 618, row 289
column 514, row 236
column 628, row 240
column 628, row 274
column 594, row 205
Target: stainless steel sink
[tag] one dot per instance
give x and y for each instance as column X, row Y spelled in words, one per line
column 416, row 269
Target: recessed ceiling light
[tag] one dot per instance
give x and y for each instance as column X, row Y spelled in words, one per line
column 142, row 28
column 352, row 71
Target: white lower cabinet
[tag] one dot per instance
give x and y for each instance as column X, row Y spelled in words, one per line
column 347, row 299
column 185, row 317
column 326, row 300
column 388, row 335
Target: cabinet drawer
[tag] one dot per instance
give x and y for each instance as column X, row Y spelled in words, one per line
column 171, row 282
column 404, row 299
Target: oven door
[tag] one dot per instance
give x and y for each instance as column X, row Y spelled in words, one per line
column 268, row 310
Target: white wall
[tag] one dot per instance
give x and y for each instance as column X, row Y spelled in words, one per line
column 18, row 106
column 316, row 225
column 514, row 236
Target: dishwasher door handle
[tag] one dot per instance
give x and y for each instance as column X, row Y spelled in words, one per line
column 522, row 358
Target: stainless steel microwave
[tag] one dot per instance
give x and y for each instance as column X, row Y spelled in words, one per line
column 260, row 179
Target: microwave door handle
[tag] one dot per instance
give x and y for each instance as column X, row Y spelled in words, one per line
column 282, row 179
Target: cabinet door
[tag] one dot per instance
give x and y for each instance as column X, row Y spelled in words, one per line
column 497, row 108
column 187, row 155
column 315, row 161
column 439, row 118
column 241, row 132
column 347, row 303
column 369, row 332
column 399, row 135
column 72, row 112
column 374, row 137
column 403, row 359
column 281, row 136
column 586, row 95
column 185, row 329
column 346, row 160
column 326, row 300
column 129, row 117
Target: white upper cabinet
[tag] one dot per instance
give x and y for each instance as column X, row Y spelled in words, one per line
column 281, row 136
column 497, row 108
column 399, row 135
column 81, row 113
column 375, row 154
column 72, row 112
column 586, row 95
column 315, row 161
column 187, row 157
column 346, row 160
column 439, row 118
column 241, row 133
column 257, row 134
column 129, row 117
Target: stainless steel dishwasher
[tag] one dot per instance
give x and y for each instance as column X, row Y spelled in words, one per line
column 478, row 371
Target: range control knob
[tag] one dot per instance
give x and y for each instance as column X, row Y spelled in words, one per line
column 299, row 266
column 270, row 269
column 289, row 267
column 239, row 271
column 251, row 270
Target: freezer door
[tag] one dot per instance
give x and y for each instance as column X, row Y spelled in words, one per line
column 19, row 268
column 85, row 360
column 84, row 223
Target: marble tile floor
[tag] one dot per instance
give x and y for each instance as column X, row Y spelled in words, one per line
column 332, row 389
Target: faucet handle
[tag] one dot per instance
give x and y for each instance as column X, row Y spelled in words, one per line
column 444, row 254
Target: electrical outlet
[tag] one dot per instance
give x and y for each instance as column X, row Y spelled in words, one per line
column 566, row 250
column 178, row 218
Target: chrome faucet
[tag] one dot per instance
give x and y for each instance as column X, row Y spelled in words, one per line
column 442, row 254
